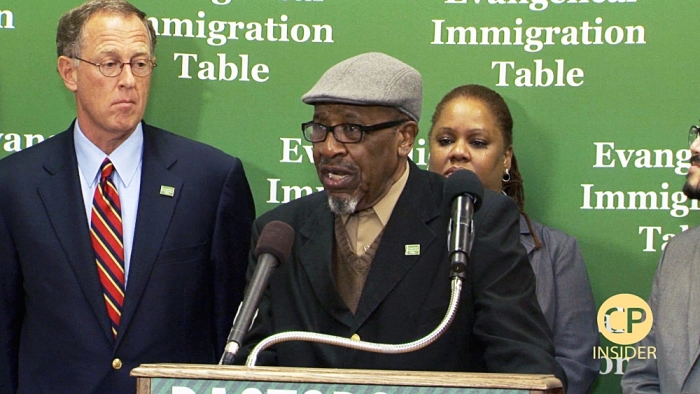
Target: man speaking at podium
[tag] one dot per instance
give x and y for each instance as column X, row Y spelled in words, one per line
column 369, row 259
column 120, row 243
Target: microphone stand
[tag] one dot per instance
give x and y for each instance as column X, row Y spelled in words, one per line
column 361, row 345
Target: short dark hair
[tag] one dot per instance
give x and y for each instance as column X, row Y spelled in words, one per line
column 69, row 34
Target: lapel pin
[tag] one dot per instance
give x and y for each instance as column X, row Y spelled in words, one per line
column 412, row 250
column 167, row 191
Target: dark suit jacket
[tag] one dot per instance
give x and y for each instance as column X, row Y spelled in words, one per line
column 184, row 284
column 499, row 326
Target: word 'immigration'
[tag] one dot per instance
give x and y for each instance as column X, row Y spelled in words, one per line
column 534, row 38
column 539, row 5
column 217, row 33
column 638, row 200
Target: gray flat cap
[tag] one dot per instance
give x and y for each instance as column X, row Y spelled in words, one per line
column 370, row 79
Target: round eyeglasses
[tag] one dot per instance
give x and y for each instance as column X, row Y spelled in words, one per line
column 692, row 134
column 346, row 133
column 112, row 68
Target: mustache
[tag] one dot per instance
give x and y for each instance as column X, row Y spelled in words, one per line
column 695, row 159
column 335, row 162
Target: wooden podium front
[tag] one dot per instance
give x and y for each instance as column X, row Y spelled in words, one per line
column 215, row 379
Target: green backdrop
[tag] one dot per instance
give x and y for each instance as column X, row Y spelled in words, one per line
column 602, row 92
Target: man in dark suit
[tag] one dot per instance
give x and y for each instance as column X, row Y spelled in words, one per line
column 172, row 218
column 369, row 259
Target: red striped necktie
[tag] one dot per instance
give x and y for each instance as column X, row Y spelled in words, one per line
column 106, row 236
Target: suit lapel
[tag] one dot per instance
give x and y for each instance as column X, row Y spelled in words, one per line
column 153, row 218
column 526, row 237
column 62, row 197
column 413, row 211
column 315, row 256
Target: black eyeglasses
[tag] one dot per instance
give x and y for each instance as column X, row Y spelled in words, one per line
column 346, row 133
column 692, row 134
column 112, row 68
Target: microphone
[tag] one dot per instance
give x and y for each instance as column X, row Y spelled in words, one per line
column 274, row 247
column 463, row 190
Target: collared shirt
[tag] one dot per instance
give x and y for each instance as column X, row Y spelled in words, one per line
column 126, row 177
column 367, row 224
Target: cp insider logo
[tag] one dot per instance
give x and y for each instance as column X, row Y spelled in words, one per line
column 624, row 319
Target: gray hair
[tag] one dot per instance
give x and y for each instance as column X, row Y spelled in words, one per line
column 69, row 34
column 343, row 206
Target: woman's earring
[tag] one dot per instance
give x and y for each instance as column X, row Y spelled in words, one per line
column 506, row 176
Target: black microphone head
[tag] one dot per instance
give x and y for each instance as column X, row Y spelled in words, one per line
column 463, row 182
column 276, row 238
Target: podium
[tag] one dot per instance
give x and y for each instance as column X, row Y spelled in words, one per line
column 215, row 379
